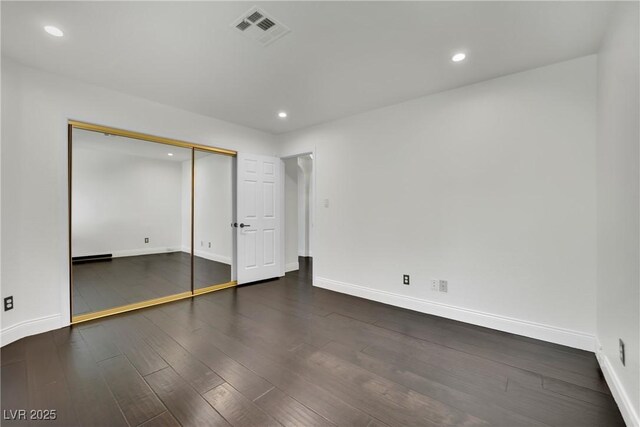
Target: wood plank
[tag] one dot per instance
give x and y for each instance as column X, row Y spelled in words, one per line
column 92, row 400
column 457, row 394
column 100, row 341
column 13, row 352
column 135, row 398
column 385, row 400
column 200, row 376
column 288, row 411
column 47, row 386
column 132, row 345
column 241, row 378
column 163, row 420
column 185, row 404
column 237, row 409
column 295, row 354
column 289, row 379
column 584, row 394
column 14, row 392
column 581, row 371
column 554, row 409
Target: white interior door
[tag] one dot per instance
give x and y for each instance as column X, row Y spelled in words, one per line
column 259, row 218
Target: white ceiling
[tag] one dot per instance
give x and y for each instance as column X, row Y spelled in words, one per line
column 340, row 58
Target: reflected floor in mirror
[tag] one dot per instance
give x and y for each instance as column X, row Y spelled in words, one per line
column 100, row 285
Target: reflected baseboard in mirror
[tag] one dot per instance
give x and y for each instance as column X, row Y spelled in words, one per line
column 132, row 207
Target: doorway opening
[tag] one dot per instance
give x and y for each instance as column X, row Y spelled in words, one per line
column 299, row 220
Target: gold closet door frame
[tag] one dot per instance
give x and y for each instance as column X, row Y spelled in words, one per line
column 74, row 124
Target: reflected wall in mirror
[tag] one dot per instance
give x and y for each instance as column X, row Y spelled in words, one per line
column 129, row 242
column 213, row 210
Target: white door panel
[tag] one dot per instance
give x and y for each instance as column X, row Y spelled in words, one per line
column 258, row 213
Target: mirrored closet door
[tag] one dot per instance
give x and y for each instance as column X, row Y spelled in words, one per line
column 212, row 218
column 135, row 206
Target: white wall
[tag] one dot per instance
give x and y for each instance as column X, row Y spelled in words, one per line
column 291, row 213
column 489, row 186
column 35, row 108
column 119, row 200
column 618, row 296
column 213, row 207
column 186, row 206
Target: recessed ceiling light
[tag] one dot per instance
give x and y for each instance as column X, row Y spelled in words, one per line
column 282, row 115
column 169, row 154
column 458, row 57
column 54, row 31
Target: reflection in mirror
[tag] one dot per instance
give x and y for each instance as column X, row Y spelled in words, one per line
column 213, row 212
column 129, row 242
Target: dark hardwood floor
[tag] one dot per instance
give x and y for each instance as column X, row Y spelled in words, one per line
column 286, row 353
column 99, row 285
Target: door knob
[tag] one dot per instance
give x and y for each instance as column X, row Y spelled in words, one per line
column 242, row 225
column 234, row 224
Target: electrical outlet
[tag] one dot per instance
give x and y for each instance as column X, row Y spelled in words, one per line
column 444, row 286
column 621, row 344
column 405, row 279
column 209, row 244
column 8, row 303
column 146, row 240
column 434, row 285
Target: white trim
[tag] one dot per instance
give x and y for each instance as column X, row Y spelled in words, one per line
column 629, row 414
column 292, row 266
column 144, row 251
column 213, row 257
column 526, row 328
column 283, row 221
column 312, row 206
column 29, row 327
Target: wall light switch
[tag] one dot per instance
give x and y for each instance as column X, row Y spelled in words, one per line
column 434, row 285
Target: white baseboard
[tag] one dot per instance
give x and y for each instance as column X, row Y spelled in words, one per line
column 526, row 328
column 629, row 414
column 208, row 255
column 292, row 266
column 29, row 327
column 213, row 257
column 144, row 251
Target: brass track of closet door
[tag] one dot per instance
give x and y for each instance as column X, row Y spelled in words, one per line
column 73, row 124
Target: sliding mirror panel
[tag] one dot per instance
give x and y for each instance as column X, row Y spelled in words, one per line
column 212, row 218
column 130, row 221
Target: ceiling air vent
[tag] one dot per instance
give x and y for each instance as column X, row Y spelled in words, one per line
column 266, row 23
column 254, row 16
column 243, row 25
column 260, row 26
